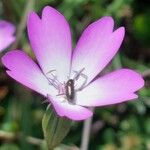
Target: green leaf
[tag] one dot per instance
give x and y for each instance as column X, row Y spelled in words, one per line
column 55, row 128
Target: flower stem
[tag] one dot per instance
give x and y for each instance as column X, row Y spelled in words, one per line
column 22, row 24
column 9, row 136
column 86, row 133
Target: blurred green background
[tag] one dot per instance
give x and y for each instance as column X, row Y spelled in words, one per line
column 120, row 127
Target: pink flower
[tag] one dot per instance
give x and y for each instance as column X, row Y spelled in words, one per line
column 66, row 77
column 6, row 34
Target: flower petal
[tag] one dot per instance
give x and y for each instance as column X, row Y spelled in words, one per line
column 115, row 87
column 73, row 112
column 50, row 39
column 6, row 34
column 24, row 70
column 96, row 47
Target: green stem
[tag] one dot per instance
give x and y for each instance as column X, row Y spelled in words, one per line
column 10, row 136
column 22, row 24
column 86, row 133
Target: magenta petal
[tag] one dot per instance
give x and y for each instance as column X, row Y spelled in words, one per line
column 115, row 87
column 73, row 112
column 6, row 34
column 50, row 39
column 96, row 47
column 24, row 70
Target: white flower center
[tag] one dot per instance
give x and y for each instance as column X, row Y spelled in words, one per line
column 68, row 89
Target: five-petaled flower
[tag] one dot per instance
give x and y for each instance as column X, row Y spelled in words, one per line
column 66, row 77
column 6, row 34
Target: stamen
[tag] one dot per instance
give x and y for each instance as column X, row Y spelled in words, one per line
column 53, row 83
column 53, row 79
column 78, row 73
column 84, row 83
column 77, row 77
column 67, row 90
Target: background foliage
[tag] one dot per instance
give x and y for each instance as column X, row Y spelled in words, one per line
column 125, row 126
